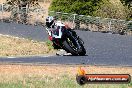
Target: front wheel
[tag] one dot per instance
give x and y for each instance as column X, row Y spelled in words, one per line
column 69, row 49
column 73, row 50
column 83, row 53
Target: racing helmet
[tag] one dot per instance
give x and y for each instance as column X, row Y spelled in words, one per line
column 49, row 21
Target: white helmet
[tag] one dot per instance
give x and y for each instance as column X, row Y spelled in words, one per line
column 49, row 21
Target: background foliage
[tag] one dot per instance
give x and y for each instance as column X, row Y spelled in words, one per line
column 85, row 7
column 101, row 8
column 128, row 4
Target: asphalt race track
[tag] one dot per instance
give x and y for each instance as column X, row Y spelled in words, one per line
column 102, row 48
column 24, row 31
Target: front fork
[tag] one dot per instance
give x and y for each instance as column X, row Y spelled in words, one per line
column 77, row 41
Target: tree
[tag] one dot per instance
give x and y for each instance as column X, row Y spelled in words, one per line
column 21, row 5
column 128, row 4
column 101, row 8
column 84, row 7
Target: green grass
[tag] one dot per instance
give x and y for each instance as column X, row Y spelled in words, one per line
column 63, row 81
column 49, row 44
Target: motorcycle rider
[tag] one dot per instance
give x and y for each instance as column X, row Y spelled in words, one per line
column 51, row 25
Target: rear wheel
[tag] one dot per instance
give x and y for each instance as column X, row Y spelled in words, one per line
column 55, row 46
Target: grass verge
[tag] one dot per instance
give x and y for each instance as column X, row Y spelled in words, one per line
column 11, row 46
column 58, row 76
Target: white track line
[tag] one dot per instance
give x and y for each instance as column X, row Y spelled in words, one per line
column 11, row 57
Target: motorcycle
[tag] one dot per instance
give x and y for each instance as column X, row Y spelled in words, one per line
column 67, row 39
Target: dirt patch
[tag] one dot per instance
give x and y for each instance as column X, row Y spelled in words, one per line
column 11, row 46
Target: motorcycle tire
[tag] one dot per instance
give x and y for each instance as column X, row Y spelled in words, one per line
column 56, row 46
column 83, row 53
column 69, row 49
